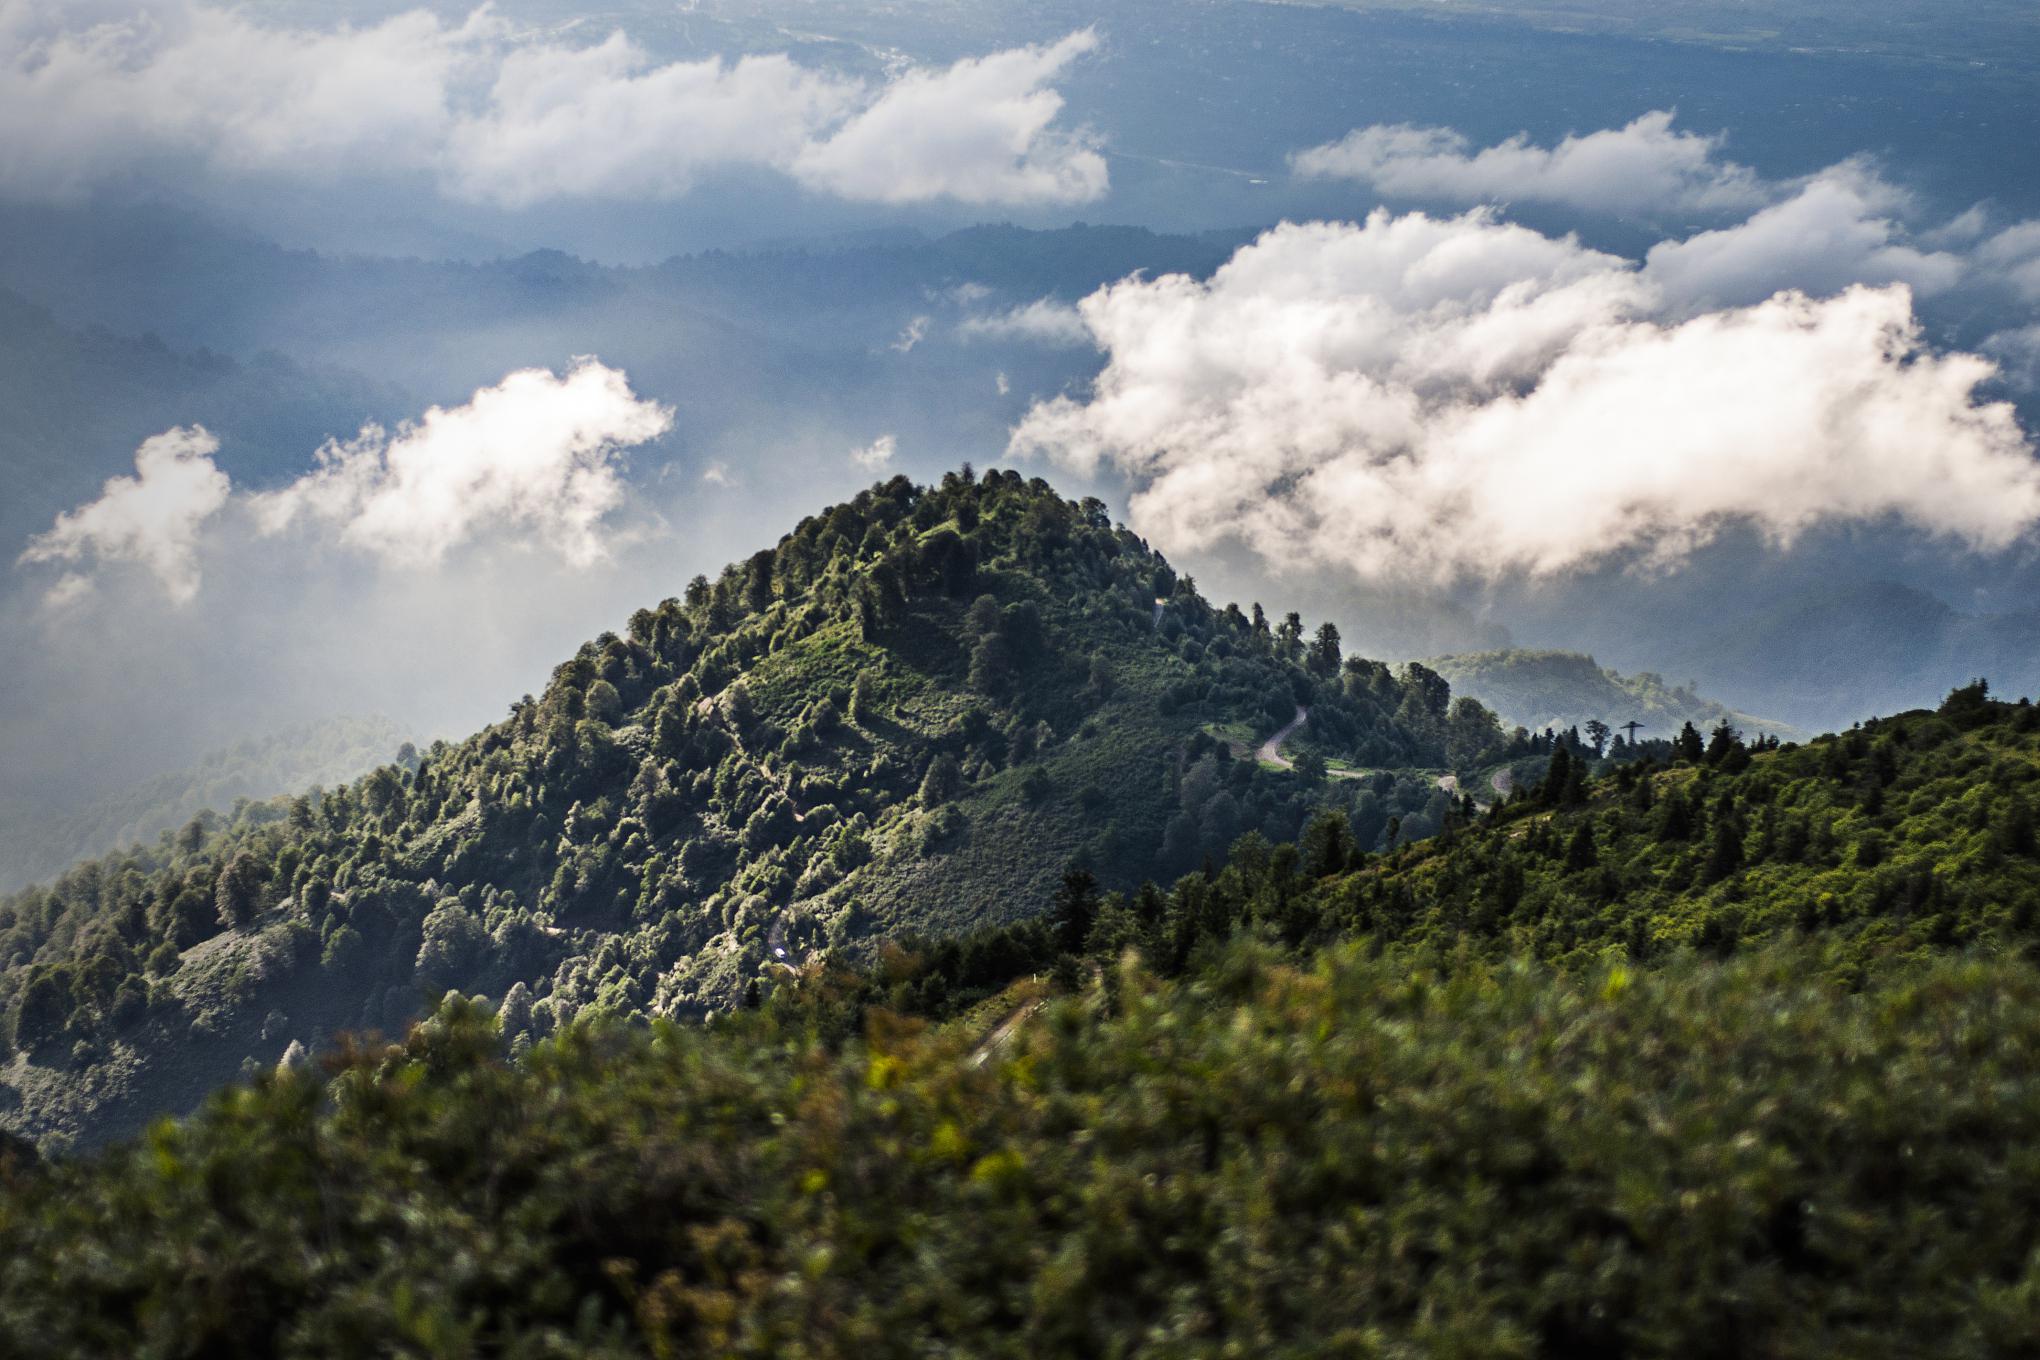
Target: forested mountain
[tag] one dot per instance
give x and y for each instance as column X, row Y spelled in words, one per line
column 1546, row 689
column 910, row 715
column 39, row 840
column 1730, row 1051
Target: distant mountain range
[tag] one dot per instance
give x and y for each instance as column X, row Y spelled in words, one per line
column 1843, row 650
column 1542, row 689
column 39, row 840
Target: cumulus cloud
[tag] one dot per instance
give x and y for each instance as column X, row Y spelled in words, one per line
column 1438, row 399
column 536, row 456
column 1840, row 227
column 877, row 453
column 980, row 131
column 605, row 121
column 498, row 114
column 1644, row 167
column 1044, row 321
column 152, row 518
column 536, row 453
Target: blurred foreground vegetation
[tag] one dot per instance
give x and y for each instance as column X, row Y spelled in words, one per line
column 1355, row 1156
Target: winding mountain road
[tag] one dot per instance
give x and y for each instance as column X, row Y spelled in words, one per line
column 1270, row 752
column 1271, row 749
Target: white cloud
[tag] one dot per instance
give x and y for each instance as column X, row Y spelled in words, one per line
column 915, row 332
column 2018, row 352
column 877, row 453
column 1440, row 399
column 604, row 121
column 980, row 131
column 536, row 453
column 1645, row 167
column 535, row 457
column 1840, row 227
column 151, row 518
column 498, row 114
column 2013, row 257
column 718, row 474
column 1044, row 321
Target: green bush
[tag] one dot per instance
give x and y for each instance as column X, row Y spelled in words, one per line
column 1356, row 1158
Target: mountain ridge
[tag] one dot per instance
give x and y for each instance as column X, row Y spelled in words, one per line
column 907, row 716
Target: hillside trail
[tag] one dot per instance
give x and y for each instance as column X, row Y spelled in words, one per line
column 1270, row 752
column 1003, row 1031
column 1271, row 749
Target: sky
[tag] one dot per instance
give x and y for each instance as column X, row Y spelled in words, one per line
column 378, row 377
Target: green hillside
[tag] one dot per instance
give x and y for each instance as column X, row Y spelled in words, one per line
column 908, row 716
column 1733, row 1052
column 1546, row 689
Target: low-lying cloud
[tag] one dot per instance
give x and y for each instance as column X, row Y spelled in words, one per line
column 535, row 458
column 536, row 453
column 497, row 114
column 152, row 518
column 1441, row 399
column 1644, row 167
column 877, row 454
column 1843, row 224
column 1044, row 321
column 1840, row 227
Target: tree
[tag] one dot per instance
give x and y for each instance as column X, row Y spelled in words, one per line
column 983, row 616
column 1101, row 676
column 40, row 1014
column 1074, row 910
column 758, row 581
column 453, row 944
column 1470, row 731
column 1289, row 636
column 1432, row 691
column 1687, row 745
column 1721, row 743
column 1579, row 852
column 1725, row 855
column 1563, row 784
column 1310, row 766
column 237, row 896
column 1598, row 733
column 863, row 691
column 604, row 704
column 991, row 671
column 1324, row 650
column 942, row 782
column 1328, row 846
column 344, row 950
column 1675, row 817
